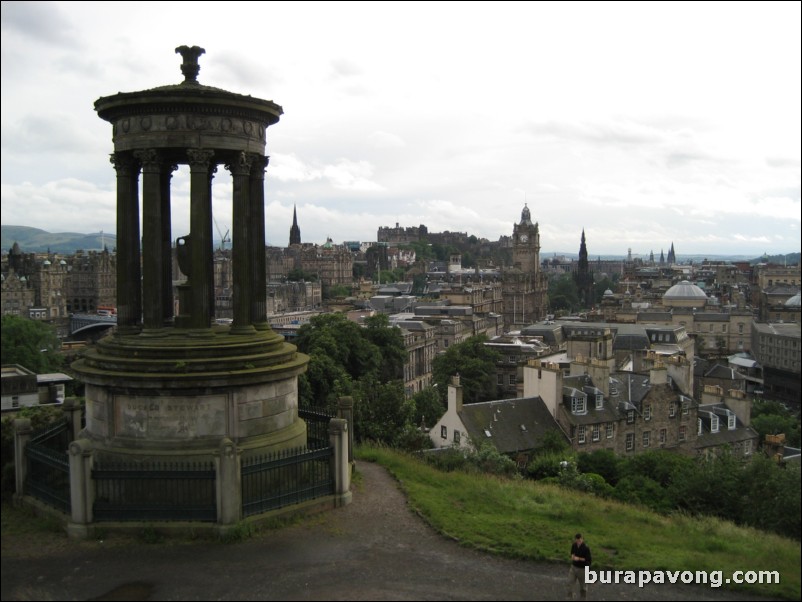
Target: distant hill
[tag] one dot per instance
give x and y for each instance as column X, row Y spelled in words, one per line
column 787, row 259
column 34, row 240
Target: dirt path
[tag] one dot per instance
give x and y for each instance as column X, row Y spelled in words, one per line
column 373, row 549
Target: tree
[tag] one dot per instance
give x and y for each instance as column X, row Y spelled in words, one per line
column 429, row 408
column 365, row 363
column 772, row 418
column 391, row 343
column 563, row 293
column 475, row 363
column 298, row 275
column 31, row 344
column 338, row 290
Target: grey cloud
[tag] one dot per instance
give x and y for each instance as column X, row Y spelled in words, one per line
column 44, row 22
column 243, row 72
column 683, row 159
column 596, row 133
column 782, row 162
column 344, row 68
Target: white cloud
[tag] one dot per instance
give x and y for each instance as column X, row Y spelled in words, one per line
column 616, row 129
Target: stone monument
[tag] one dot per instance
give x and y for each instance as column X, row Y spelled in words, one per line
column 177, row 386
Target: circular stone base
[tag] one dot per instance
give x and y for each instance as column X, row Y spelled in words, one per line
column 182, row 394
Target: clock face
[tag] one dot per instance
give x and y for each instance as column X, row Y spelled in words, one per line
column 524, row 238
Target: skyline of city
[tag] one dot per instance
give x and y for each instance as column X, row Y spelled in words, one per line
column 644, row 125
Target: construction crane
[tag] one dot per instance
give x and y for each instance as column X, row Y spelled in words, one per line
column 224, row 238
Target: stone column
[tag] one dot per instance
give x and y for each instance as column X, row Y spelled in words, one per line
column 167, row 246
column 129, row 274
column 345, row 410
column 22, row 434
column 340, row 467
column 81, row 490
column 229, row 483
column 152, row 242
column 72, row 412
column 240, row 168
column 258, row 263
column 201, row 253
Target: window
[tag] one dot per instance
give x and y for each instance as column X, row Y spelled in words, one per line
column 672, row 410
column 630, row 441
column 747, row 447
column 500, row 379
column 578, row 405
column 630, row 416
column 740, row 328
column 646, row 436
column 456, row 437
column 662, row 436
column 599, row 402
column 685, row 408
column 15, row 401
column 682, row 433
column 698, row 426
column 609, row 430
column 513, row 379
column 714, row 424
column 596, row 432
column 647, row 412
column 444, row 432
column 731, row 422
column 581, row 434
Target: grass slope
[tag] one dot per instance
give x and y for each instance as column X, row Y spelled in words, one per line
column 526, row 519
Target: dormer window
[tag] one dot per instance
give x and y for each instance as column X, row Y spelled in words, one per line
column 599, row 402
column 630, row 416
column 698, row 426
column 731, row 422
column 714, row 424
column 647, row 412
column 578, row 405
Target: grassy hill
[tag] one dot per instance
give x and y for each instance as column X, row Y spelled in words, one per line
column 526, row 519
column 34, row 240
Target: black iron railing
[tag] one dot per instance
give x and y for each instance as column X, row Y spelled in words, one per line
column 290, row 477
column 48, row 470
column 154, row 491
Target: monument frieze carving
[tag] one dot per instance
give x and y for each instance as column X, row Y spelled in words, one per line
column 190, row 122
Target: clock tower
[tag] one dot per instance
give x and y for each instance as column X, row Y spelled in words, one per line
column 524, row 285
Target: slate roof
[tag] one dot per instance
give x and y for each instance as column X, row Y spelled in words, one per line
column 725, row 435
column 503, row 419
column 724, row 372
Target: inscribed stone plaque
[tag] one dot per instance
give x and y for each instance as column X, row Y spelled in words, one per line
column 159, row 418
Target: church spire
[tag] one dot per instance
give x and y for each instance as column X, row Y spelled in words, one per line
column 295, row 231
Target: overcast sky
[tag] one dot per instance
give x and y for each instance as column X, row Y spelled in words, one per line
column 644, row 124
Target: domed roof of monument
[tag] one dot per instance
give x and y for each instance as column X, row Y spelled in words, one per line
column 793, row 301
column 184, row 95
column 608, row 293
column 685, row 290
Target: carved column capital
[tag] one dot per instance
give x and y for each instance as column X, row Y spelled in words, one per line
column 258, row 165
column 124, row 164
column 199, row 157
column 240, row 164
column 150, row 159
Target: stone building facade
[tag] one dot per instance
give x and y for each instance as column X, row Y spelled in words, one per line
column 525, row 285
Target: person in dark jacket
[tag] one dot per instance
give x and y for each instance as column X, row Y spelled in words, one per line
column 580, row 558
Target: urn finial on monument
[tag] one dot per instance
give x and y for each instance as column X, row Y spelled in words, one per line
column 190, row 67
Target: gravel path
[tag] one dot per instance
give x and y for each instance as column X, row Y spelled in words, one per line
column 373, row 549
